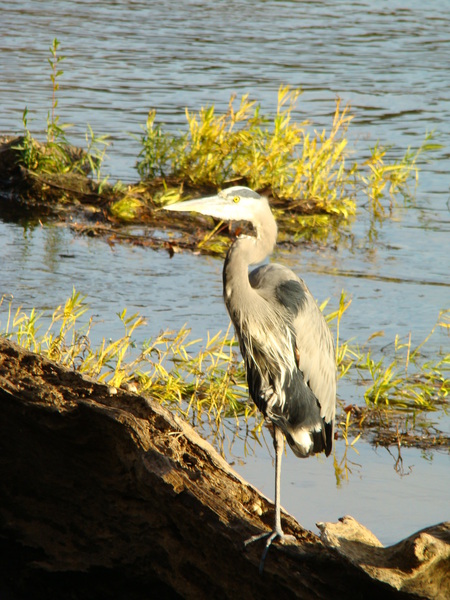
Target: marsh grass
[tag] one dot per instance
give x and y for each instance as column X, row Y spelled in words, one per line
column 403, row 387
column 205, row 382
column 56, row 155
column 383, row 181
column 408, row 377
column 307, row 171
column 244, row 145
column 311, row 175
column 206, row 386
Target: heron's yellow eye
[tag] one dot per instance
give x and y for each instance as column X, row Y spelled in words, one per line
column 236, row 199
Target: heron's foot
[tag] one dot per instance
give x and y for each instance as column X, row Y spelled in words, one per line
column 271, row 537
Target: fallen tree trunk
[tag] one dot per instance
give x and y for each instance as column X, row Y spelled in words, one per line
column 106, row 494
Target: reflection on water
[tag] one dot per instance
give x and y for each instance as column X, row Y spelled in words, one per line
column 390, row 62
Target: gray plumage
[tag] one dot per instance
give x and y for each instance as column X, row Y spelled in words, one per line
column 284, row 340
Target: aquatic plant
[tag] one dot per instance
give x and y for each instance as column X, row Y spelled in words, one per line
column 410, row 379
column 56, row 155
column 311, row 175
column 382, row 182
column 243, row 145
column 127, row 208
column 205, row 381
column 54, row 130
column 208, row 385
column 307, row 172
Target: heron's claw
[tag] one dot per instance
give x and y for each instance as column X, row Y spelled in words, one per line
column 271, row 536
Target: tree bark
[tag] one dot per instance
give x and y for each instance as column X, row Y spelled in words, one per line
column 105, row 494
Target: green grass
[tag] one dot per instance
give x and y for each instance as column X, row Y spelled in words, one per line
column 409, row 378
column 311, row 175
column 308, row 169
column 308, row 172
column 56, row 155
column 403, row 376
column 204, row 381
column 209, row 384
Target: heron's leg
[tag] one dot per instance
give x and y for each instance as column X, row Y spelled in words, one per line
column 278, row 442
column 277, row 532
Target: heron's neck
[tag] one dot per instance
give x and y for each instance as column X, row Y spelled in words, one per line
column 246, row 251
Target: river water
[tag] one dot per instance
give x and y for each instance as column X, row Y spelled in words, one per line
column 388, row 59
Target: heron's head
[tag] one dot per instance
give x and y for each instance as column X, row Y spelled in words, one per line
column 236, row 203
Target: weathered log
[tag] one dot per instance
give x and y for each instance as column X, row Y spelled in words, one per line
column 105, row 494
column 418, row 564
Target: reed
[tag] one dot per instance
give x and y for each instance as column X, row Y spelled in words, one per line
column 56, row 155
column 308, row 172
column 312, row 176
column 205, row 382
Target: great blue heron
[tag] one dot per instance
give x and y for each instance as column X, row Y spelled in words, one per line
column 284, row 339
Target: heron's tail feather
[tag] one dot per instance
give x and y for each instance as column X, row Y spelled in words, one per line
column 306, row 441
column 290, row 404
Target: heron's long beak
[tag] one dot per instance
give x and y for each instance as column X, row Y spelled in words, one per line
column 197, row 205
column 214, row 206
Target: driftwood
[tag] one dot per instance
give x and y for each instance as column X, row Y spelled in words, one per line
column 105, row 494
column 419, row 564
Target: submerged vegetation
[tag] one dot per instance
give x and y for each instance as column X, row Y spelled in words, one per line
column 205, row 381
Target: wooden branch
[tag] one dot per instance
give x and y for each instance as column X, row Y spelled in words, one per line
column 108, row 494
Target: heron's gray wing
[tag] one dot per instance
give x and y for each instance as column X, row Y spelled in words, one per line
column 316, row 356
column 314, row 343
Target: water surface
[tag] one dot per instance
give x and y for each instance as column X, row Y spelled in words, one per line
column 388, row 60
